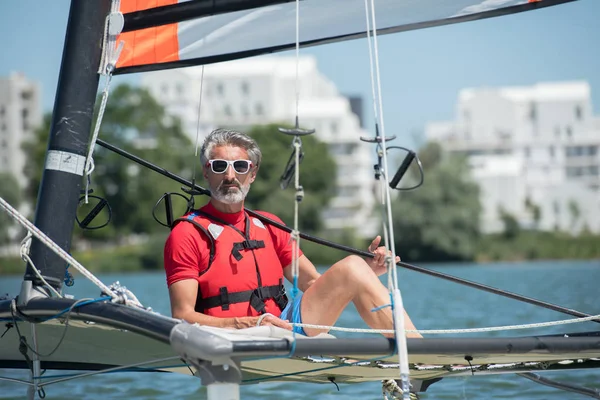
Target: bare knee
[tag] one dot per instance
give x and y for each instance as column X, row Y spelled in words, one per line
column 353, row 270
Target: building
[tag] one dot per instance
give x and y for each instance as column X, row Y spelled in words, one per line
column 534, row 152
column 20, row 114
column 263, row 90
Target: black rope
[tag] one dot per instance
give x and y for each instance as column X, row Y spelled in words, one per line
column 8, row 326
column 21, row 314
column 332, row 380
column 469, row 359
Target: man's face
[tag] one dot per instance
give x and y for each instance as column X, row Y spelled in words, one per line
column 229, row 187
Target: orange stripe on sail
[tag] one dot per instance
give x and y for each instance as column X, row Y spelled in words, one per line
column 148, row 46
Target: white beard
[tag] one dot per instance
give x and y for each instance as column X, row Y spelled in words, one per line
column 230, row 195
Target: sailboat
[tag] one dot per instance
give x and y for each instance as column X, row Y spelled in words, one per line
column 114, row 332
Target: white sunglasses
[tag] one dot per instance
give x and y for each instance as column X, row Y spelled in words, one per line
column 220, row 166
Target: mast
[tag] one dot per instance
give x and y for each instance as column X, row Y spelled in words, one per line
column 69, row 137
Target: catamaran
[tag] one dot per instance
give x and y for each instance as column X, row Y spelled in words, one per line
column 114, row 332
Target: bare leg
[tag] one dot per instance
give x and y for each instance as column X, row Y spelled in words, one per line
column 350, row 279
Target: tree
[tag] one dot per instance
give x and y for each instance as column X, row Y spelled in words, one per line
column 535, row 210
column 135, row 122
column 511, row 225
column 9, row 191
column 439, row 221
column 317, row 177
column 575, row 213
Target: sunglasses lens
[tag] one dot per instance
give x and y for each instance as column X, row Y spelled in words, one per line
column 219, row 166
column 241, row 166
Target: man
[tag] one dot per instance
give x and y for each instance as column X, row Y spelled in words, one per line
column 226, row 269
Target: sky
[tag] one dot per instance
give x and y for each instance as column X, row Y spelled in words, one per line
column 421, row 71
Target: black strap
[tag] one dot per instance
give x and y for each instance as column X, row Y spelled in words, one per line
column 255, row 297
column 246, row 245
column 207, row 234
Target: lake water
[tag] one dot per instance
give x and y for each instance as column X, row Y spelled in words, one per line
column 432, row 303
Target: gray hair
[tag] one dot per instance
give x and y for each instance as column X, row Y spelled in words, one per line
column 225, row 137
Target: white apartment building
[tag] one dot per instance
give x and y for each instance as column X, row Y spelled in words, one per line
column 536, row 145
column 262, row 90
column 20, row 114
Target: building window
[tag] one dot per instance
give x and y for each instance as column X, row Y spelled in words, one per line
column 551, row 149
column 245, row 88
column 578, row 113
column 164, row 88
column 569, row 131
column 180, row 89
column 4, row 144
column 227, row 110
column 258, row 108
column 220, row 89
column 1, row 110
column 26, row 95
column 527, row 152
column 334, row 128
column 557, row 131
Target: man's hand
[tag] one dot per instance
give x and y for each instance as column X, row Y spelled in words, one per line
column 267, row 320
column 377, row 263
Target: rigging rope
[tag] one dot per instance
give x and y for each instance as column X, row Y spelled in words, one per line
column 113, row 26
column 34, row 230
column 395, row 296
column 295, row 234
column 24, row 251
column 198, row 124
column 465, row 330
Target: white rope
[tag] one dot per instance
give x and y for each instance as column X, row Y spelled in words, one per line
column 89, row 162
column 198, row 122
column 453, row 331
column 296, row 231
column 295, row 234
column 396, row 297
column 34, row 230
column 24, row 251
column 373, row 96
column 297, row 54
column 110, row 56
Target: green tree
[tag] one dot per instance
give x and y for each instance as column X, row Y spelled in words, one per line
column 511, row 225
column 439, row 221
column 535, row 210
column 135, row 122
column 9, row 191
column 575, row 213
column 317, row 177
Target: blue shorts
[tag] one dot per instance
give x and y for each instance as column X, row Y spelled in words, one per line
column 292, row 313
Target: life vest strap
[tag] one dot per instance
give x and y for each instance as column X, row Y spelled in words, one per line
column 255, row 297
column 190, row 219
column 246, row 245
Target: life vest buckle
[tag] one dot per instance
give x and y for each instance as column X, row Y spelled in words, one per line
column 246, row 245
column 256, row 301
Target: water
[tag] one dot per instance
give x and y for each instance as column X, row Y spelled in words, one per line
column 432, row 303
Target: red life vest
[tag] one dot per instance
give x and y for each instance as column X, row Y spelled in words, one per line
column 233, row 284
